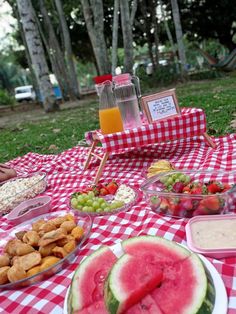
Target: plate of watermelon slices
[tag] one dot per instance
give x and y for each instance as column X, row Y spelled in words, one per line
column 146, row 275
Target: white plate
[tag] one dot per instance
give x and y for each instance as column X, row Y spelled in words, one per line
column 221, row 300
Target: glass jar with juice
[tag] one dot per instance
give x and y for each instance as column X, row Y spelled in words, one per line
column 109, row 113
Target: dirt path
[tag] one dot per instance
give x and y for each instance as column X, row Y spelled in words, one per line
column 31, row 112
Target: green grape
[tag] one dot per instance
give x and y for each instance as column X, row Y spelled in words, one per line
column 95, row 205
column 85, row 208
column 91, row 194
column 79, row 207
column 169, row 181
column 81, row 200
column 89, row 202
column 117, row 204
column 101, row 200
column 107, row 209
column 74, row 202
column 90, row 209
column 103, row 206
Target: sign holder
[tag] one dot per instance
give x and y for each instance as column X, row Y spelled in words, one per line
column 161, row 106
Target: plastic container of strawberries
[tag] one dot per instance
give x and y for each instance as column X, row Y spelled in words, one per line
column 188, row 193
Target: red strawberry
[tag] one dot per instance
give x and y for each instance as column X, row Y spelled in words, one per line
column 186, row 189
column 214, row 187
column 112, row 187
column 226, row 187
column 186, row 203
column 164, row 205
column 211, row 203
column 103, row 191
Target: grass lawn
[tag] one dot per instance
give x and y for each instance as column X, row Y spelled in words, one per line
column 64, row 129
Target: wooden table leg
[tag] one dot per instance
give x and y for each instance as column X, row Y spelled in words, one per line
column 209, row 140
column 90, row 154
column 100, row 168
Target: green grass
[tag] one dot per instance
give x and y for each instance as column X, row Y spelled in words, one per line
column 64, row 129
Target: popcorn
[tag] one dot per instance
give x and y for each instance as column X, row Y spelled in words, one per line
column 13, row 192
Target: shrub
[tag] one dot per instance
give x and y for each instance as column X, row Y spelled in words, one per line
column 6, row 99
column 163, row 76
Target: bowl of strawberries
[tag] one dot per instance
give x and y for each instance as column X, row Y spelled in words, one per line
column 189, row 193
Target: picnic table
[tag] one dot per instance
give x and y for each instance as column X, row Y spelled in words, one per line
column 65, row 175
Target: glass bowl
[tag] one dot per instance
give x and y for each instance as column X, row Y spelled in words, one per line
column 188, row 198
column 85, row 222
column 109, row 198
column 19, row 189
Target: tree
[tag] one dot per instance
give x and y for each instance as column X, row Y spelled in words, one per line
column 115, row 35
column 68, row 48
column 207, row 19
column 179, row 35
column 55, row 54
column 37, row 54
column 127, row 20
column 94, row 18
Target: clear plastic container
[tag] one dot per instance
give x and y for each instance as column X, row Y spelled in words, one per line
column 127, row 100
column 183, row 204
column 213, row 236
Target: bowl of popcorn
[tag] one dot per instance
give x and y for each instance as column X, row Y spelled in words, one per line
column 20, row 189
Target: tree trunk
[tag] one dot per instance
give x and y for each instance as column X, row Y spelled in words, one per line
column 56, row 55
column 29, row 62
column 94, row 18
column 179, row 35
column 147, row 30
column 156, row 35
column 170, row 38
column 115, row 36
column 68, row 48
column 37, row 53
column 127, row 36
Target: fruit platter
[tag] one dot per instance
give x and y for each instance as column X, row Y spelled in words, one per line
column 41, row 247
column 188, row 193
column 145, row 274
column 103, row 198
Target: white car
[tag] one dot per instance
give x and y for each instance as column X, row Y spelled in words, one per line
column 25, row 93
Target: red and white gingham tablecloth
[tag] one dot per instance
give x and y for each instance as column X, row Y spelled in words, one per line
column 191, row 122
column 65, row 175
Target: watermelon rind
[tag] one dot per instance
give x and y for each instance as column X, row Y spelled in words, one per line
column 114, row 296
column 172, row 246
column 76, row 295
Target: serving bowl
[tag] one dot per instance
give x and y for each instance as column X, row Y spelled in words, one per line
column 85, row 222
column 213, row 236
column 19, row 189
column 30, row 209
column 87, row 203
column 188, row 193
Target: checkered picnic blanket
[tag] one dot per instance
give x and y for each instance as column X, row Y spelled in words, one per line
column 65, row 175
column 191, row 122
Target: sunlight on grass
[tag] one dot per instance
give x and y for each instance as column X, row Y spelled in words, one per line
column 64, row 129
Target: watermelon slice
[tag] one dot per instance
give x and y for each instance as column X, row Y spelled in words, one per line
column 89, row 278
column 131, row 278
column 146, row 306
column 155, row 248
column 184, row 288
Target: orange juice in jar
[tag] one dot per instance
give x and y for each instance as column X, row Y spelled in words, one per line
column 110, row 120
column 109, row 113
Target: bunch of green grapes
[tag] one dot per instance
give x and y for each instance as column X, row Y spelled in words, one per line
column 171, row 179
column 88, row 202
